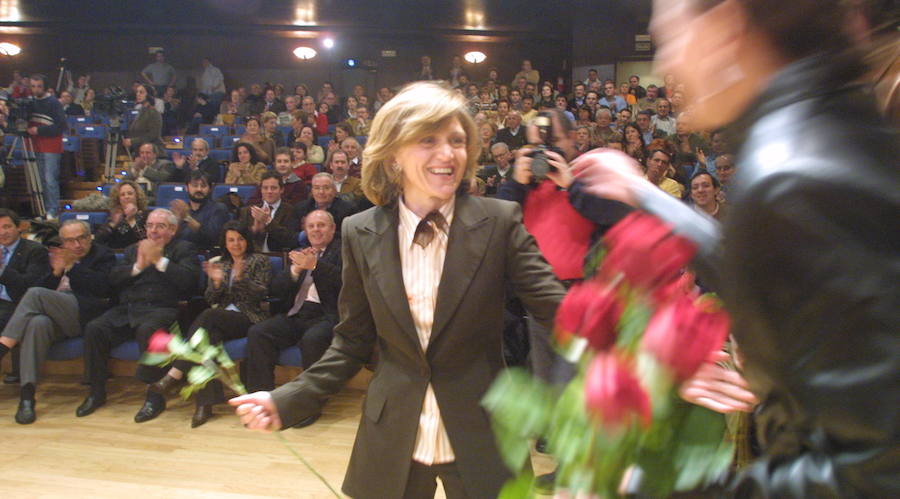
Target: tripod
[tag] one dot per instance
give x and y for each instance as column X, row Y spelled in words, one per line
column 112, row 148
column 32, row 173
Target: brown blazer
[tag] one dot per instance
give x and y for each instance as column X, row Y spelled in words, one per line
column 488, row 248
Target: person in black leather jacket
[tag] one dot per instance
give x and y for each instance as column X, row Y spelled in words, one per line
column 806, row 261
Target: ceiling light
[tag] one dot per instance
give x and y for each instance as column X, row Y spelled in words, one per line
column 305, row 53
column 475, row 57
column 328, row 43
column 10, row 49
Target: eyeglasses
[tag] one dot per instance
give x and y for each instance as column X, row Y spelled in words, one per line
column 80, row 239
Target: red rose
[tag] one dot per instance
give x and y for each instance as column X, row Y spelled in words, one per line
column 682, row 285
column 683, row 333
column 613, row 394
column 159, row 342
column 592, row 311
column 646, row 251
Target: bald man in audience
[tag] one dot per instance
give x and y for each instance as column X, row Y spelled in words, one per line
column 74, row 290
column 154, row 275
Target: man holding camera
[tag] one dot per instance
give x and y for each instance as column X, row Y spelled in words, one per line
column 563, row 219
column 46, row 124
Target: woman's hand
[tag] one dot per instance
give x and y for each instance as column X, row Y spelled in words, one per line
column 130, row 211
column 214, row 272
column 115, row 217
column 718, row 388
column 257, row 411
column 609, row 174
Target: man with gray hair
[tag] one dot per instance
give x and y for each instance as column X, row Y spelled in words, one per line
column 324, row 197
column 198, row 160
column 155, row 274
column 496, row 174
column 75, row 290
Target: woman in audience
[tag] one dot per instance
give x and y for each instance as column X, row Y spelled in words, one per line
column 237, row 284
column 245, row 167
column 88, row 103
column 634, row 143
column 314, row 152
column 487, row 133
column 147, row 126
column 625, row 93
column 503, row 92
column 341, row 132
column 127, row 215
column 299, row 165
column 270, row 128
column 254, row 135
column 546, row 99
column 350, row 105
column 584, row 117
column 705, row 195
column 301, row 91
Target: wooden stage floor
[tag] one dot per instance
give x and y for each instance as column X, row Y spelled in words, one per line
column 107, row 455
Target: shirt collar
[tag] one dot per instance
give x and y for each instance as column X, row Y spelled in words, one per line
column 12, row 247
column 409, row 220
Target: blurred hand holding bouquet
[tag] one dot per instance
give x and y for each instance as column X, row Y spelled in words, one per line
column 636, row 330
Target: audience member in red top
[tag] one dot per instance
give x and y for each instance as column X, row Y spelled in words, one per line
column 301, row 167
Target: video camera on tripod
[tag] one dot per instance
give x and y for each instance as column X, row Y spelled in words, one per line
column 20, row 110
column 113, row 104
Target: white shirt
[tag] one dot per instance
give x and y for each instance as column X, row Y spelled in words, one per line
column 212, row 80
column 422, row 269
column 272, row 209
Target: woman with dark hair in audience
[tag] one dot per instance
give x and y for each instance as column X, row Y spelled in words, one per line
column 300, row 165
column 245, row 167
column 634, row 142
column 546, row 100
column 350, row 105
column 254, row 134
column 314, row 152
column 705, row 195
column 237, row 285
column 341, row 132
column 127, row 215
column 147, row 126
column 584, row 116
column 301, row 91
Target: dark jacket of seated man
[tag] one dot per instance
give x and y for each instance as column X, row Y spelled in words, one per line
column 24, row 268
column 89, row 280
column 153, row 288
column 326, row 276
column 274, row 222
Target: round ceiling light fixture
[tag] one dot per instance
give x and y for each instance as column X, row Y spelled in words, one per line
column 328, row 43
column 9, row 49
column 305, row 53
column 475, row 57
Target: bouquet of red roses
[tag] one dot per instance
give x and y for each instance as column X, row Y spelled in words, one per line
column 636, row 329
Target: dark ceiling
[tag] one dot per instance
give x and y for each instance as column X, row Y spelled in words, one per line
column 550, row 18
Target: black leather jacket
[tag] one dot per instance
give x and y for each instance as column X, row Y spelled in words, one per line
column 808, row 263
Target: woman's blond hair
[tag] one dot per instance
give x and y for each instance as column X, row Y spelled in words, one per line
column 419, row 109
column 140, row 196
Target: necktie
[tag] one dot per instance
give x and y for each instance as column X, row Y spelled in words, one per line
column 3, row 263
column 303, row 292
column 425, row 231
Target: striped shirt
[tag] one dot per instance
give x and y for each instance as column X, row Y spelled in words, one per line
column 422, row 269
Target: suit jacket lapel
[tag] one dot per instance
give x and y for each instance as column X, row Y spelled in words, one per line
column 382, row 251
column 468, row 240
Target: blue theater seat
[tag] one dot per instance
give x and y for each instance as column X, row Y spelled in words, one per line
column 67, row 349
column 168, row 192
column 91, row 131
column 221, row 154
column 92, row 217
column 290, row 356
column 244, row 191
column 71, row 143
column 229, row 141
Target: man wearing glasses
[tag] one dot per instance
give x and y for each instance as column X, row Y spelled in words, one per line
column 74, row 291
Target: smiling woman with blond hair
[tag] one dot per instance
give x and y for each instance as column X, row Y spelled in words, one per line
column 418, row 269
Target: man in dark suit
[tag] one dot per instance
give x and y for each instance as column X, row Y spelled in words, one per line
column 22, row 264
column 310, row 291
column 72, row 292
column 416, row 271
column 198, row 160
column 514, row 133
column 497, row 174
column 324, row 197
column 155, row 274
column 69, row 107
column 274, row 224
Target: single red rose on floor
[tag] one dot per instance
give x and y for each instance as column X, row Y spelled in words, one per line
column 159, row 342
column 683, row 333
column 590, row 310
column 613, row 394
